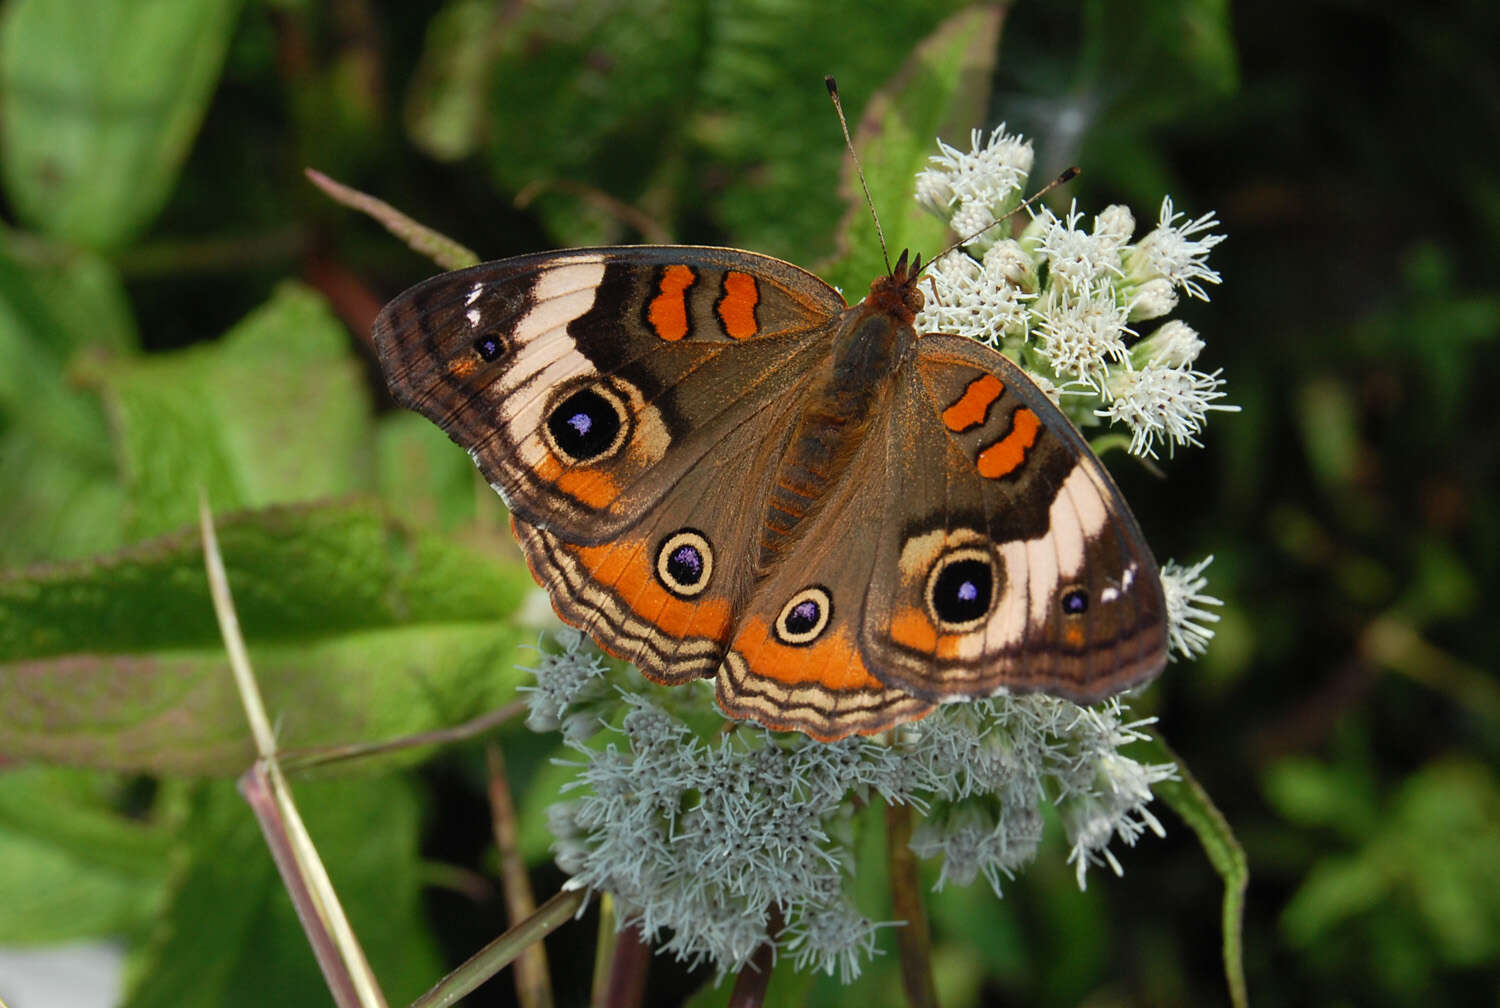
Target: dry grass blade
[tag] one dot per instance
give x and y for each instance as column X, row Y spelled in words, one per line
column 339, row 955
column 441, row 249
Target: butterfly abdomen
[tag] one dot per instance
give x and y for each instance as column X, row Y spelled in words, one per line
column 867, row 348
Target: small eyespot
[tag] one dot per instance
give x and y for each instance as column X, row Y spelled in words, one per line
column 961, row 589
column 805, row 616
column 587, row 424
column 490, row 347
column 1075, row 602
column 684, row 563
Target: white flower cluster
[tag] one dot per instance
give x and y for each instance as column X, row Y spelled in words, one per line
column 699, row 834
column 1061, row 301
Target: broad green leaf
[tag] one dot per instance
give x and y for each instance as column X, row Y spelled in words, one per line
column 429, row 481
column 358, row 630
column 275, row 412
column 99, row 103
column 941, row 90
column 63, row 496
column 1429, row 871
column 229, row 936
column 72, row 865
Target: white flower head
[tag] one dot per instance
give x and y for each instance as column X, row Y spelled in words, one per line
column 1152, row 299
column 1114, row 226
column 973, row 189
column 698, row 833
column 1174, row 344
column 1081, row 332
column 1082, row 261
column 1187, row 632
column 1160, row 402
column 976, row 299
column 1178, row 253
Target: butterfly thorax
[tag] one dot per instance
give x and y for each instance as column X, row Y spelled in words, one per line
column 870, row 343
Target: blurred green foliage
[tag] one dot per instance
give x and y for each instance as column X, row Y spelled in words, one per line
column 180, row 309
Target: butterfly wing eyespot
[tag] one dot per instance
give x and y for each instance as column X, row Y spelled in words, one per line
column 588, row 424
column 961, row 589
column 1074, row 601
column 685, row 563
column 805, row 616
column 491, row 346
column 1020, row 567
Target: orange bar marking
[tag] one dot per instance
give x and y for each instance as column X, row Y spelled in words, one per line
column 1005, row 456
column 667, row 312
column 832, row 661
column 626, row 568
column 911, row 628
column 737, row 306
column 974, row 405
column 590, row 488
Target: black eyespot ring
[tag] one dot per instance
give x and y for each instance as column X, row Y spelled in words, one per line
column 588, row 424
column 685, row 563
column 961, row 589
column 491, row 347
column 805, row 616
column 1074, row 601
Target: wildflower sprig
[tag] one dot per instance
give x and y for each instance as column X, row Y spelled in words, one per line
column 698, row 833
column 706, row 836
column 1072, row 303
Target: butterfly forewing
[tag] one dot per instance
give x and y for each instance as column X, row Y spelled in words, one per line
column 585, row 383
column 1018, row 567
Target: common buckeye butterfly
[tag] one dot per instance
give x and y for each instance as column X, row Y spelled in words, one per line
column 718, row 468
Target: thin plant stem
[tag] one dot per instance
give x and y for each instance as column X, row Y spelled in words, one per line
column 504, row 950
column 914, row 941
column 533, row 985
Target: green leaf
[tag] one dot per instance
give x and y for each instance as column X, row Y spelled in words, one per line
column 1428, row 872
column 429, row 481
column 99, row 103
column 54, row 439
column 1192, row 804
column 228, row 935
column 358, row 630
column 940, row 91
column 72, row 865
column 275, row 412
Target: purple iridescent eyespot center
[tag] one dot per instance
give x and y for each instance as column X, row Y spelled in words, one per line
column 686, row 564
column 802, row 617
column 488, row 347
column 580, row 422
column 1075, row 602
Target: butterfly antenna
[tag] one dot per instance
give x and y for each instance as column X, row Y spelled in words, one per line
column 838, row 106
column 1067, row 175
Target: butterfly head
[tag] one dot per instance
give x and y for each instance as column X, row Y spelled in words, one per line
column 897, row 294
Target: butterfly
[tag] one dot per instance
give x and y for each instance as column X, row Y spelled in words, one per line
column 719, row 469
